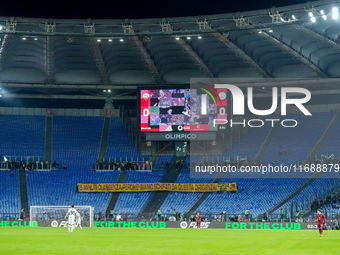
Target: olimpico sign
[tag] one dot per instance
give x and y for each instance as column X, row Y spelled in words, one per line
column 197, row 136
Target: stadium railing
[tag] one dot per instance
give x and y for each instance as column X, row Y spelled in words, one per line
column 9, row 216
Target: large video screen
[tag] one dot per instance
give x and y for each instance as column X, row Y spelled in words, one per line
column 178, row 110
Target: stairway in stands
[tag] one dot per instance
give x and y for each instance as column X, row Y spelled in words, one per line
column 203, row 196
column 23, row 191
column 158, row 197
column 114, row 197
column 48, row 138
column 104, row 139
column 311, row 155
column 324, row 136
column 269, row 138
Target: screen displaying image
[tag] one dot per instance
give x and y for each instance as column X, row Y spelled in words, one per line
column 172, row 110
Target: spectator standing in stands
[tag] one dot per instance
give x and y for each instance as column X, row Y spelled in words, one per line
column 22, row 214
column 281, row 214
column 240, row 218
column 12, row 174
column 297, row 215
column 335, row 225
column 159, row 213
column 326, row 213
column 174, row 213
column 100, row 216
column 167, row 165
column 247, row 214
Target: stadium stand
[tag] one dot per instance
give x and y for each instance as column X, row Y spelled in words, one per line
column 183, row 201
column 295, row 143
column 58, row 188
column 316, row 190
column 76, row 139
column 22, row 135
column 76, row 143
column 192, row 158
column 164, row 159
column 249, row 145
column 9, row 192
column 120, row 147
column 331, row 145
column 254, row 194
column 133, row 202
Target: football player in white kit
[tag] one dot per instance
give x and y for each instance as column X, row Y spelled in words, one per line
column 72, row 217
column 78, row 222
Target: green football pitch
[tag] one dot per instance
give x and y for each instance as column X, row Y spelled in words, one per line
column 166, row 241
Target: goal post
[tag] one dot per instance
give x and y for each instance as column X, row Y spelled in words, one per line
column 54, row 216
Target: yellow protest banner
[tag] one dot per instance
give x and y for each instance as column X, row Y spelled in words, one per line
column 140, row 187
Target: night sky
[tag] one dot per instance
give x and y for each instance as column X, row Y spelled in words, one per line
column 100, row 9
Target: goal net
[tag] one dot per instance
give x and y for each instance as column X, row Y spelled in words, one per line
column 54, row 216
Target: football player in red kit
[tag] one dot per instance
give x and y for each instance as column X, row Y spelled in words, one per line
column 198, row 220
column 321, row 220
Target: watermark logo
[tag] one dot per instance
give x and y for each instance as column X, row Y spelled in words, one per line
column 218, row 94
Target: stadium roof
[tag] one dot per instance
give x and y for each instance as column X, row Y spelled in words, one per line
column 44, row 58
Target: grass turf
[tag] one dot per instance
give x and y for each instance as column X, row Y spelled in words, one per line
column 165, row 241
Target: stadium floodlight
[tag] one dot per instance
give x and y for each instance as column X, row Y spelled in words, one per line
column 110, row 40
column 270, row 31
column 35, row 39
column 311, row 14
column 0, row 95
column 104, row 90
column 24, row 38
column 177, row 38
column 0, row 28
column 121, row 40
column 335, row 13
column 322, row 12
column 313, row 19
column 199, row 37
column 293, row 16
column 260, row 32
column 98, row 40
column 188, row 37
column 109, row 90
column 324, row 17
